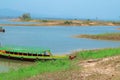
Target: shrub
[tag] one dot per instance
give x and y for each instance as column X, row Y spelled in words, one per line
column 44, row 20
column 68, row 22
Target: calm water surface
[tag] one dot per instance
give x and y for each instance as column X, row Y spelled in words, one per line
column 8, row 21
column 7, row 64
column 58, row 39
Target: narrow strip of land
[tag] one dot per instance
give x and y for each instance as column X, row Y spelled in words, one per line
column 106, row 36
column 63, row 23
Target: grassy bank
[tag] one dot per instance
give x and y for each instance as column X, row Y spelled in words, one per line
column 100, row 53
column 94, row 70
column 58, row 65
column 38, row 68
column 106, row 36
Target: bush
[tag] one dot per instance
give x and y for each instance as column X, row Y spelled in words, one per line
column 68, row 22
column 44, row 20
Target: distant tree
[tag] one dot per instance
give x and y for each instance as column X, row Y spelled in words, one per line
column 25, row 16
column 44, row 20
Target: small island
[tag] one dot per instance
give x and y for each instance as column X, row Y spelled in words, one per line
column 60, row 22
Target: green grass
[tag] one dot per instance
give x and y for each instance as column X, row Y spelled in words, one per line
column 38, row 68
column 94, row 54
column 106, row 34
column 57, row 65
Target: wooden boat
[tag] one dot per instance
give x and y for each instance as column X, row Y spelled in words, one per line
column 29, row 54
column 2, row 30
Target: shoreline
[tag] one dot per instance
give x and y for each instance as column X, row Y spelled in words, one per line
column 63, row 23
column 87, row 60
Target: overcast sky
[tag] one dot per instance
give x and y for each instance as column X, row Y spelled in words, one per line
column 66, row 8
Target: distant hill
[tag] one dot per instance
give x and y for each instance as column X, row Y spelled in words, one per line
column 9, row 13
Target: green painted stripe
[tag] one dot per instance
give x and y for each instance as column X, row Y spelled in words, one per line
column 24, row 50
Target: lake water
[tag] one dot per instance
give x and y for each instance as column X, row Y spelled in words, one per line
column 58, row 39
column 7, row 64
column 8, row 21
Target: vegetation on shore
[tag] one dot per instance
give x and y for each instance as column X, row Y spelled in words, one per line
column 105, row 36
column 98, row 53
column 57, row 65
column 68, row 22
column 52, row 22
column 38, row 68
column 102, row 64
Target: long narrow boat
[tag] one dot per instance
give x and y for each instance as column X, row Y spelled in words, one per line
column 29, row 54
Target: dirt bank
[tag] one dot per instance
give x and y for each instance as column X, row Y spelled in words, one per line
column 94, row 69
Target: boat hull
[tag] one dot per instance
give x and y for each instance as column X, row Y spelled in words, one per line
column 30, row 58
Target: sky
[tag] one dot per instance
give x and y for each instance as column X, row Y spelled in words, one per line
column 89, row 9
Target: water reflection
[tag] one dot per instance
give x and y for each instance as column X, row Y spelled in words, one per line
column 7, row 64
column 7, row 21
